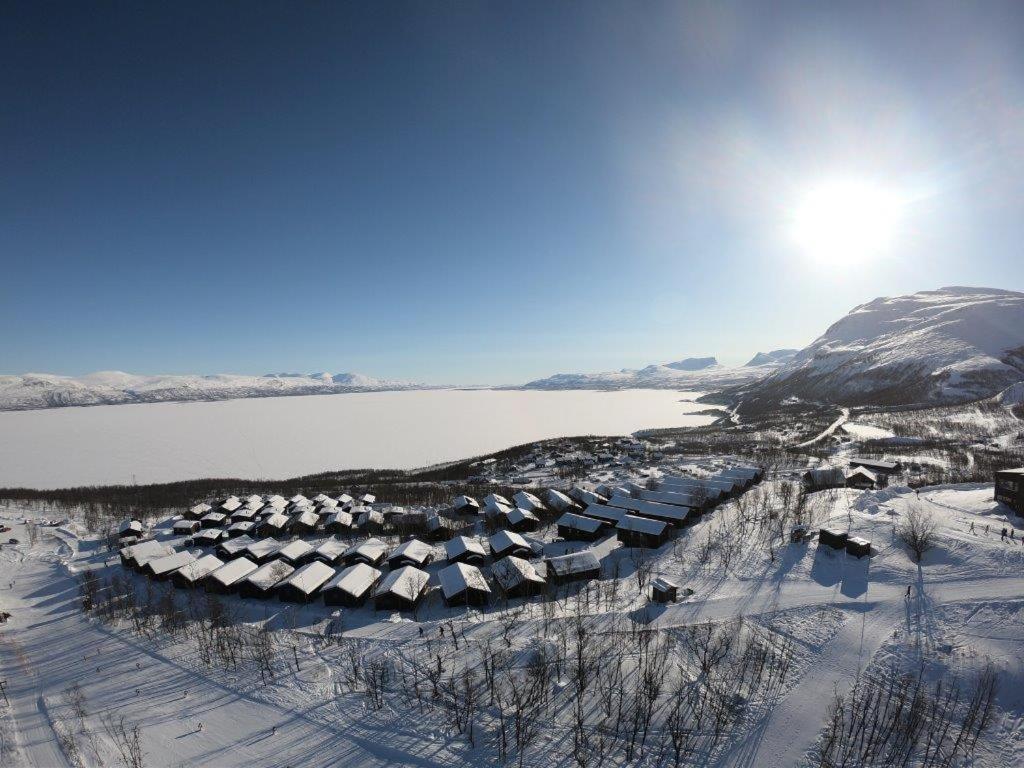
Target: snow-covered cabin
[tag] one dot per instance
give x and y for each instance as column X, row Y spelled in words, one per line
column 372, row 552
column 517, row 577
column 463, row 584
column 137, row 555
column 509, row 543
column 435, row 529
column 858, row 546
column 606, row 514
column 130, row 529
column 558, row 501
column 226, row 579
column 161, row 568
column 704, row 491
column 673, row 514
column 463, row 549
column 229, row 505
column 520, row 520
column 529, row 502
column 296, row 552
column 276, row 504
column 273, row 525
column 191, row 574
column 413, row 552
column 367, row 499
column 241, row 528
column 263, row 551
column 681, row 499
column 466, row 505
column 664, row 591
column 207, row 537
column 576, row 566
column 494, row 509
column 402, row 590
column 369, row 520
column 263, row 582
column 298, row 499
column 878, row 466
column 236, row 547
column 320, row 498
column 305, row 522
column 861, row 478
column 339, row 521
column 303, row 585
column 352, row 586
column 494, row 499
column 331, row 551
column 185, row 527
column 344, row 500
column 244, row 515
column 823, row 477
column 642, row 532
column 198, row 511
column 573, row 527
column 213, row 519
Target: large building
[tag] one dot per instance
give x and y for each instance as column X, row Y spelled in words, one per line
column 1010, row 489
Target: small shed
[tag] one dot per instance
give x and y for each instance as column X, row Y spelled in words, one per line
column 463, row 549
column 352, row 586
column 129, row 529
column 463, row 584
column 402, row 590
column 642, row 532
column 263, row 582
column 664, row 591
column 185, row 527
column 331, row 551
column 191, row 574
column 858, row 546
column 520, row 519
column 832, row 537
column 435, row 528
column 576, row 566
column 298, row 499
column 303, row 585
column 413, row 552
column 344, row 500
column 227, row 578
column 296, row 552
column 517, row 577
column 575, row 527
column 244, row 515
column 506, row 543
column 372, row 552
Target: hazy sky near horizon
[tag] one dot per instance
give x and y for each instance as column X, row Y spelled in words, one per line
column 485, row 192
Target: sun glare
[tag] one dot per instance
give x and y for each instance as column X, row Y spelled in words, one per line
column 844, row 221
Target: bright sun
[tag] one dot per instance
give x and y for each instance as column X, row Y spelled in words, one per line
column 846, row 220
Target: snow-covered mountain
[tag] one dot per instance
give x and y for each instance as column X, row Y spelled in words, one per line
column 41, row 390
column 953, row 344
column 697, row 373
column 775, row 357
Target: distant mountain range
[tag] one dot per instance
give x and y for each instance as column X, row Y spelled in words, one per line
column 949, row 345
column 40, row 390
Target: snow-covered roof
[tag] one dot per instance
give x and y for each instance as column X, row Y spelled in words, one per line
column 558, row 500
column 332, row 549
column 231, row 504
column 144, row 551
column 309, row 578
column 604, row 512
column 664, row 585
column 863, row 472
column 254, row 499
column 215, row 517
column 354, row 580
column 657, row 509
column 458, row 577
column 276, row 520
column 298, row 498
column 494, row 508
column 574, row 562
column 307, row 517
column 321, row 497
column 263, row 548
column 209, row 534
column 233, row 570
column 371, row 549
column 243, row 515
column 579, row 523
column 746, row 472
column 406, row 582
column 198, row 569
column 328, row 503
column 512, row 571
column 414, row 549
column 344, row 498
column 169, row 563
column 505, row 540
column 520, row 515
column 130, row 526
column 461, row 545
column 270, row 574
column 295, row 550
column 242, row 525
column 236, row 545
column 878, row 464
column 496, row 498
column 185, row 525
column 466, row 501
column 825, row 475
column 276, row 502
column 642, row 525
column 340, row 518
column 200, row 509
column 367, row 498
column 527, row 501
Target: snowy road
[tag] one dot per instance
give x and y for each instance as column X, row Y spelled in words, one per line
column 844, row 414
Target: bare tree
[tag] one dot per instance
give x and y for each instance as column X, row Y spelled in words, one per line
column 127, row 738
column 918, row 530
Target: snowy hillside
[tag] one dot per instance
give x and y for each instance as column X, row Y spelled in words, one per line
column 701, row 373
column 949, row 345
column 41, row 390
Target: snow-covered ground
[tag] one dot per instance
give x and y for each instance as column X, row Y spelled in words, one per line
column 289, row 436
column 839, row 615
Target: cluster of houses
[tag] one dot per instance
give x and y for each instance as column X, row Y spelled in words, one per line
column 863, row 473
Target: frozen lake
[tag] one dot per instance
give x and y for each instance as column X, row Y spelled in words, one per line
column 288, row 436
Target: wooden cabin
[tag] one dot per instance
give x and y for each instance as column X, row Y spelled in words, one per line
column 190, row 575
column 858, row 546
column 263, row 551
column 303, row 585
column 262, row 583
column 413, row 552
column 573, row 527
column 664, row 591
column 466, row 505
column 339, row 522
column 527, row 501
column 672, row 514
column 227, row 578
column 642, row 532
column 297, row 552
column 331, row 551
column 213, row 519
column 517, row 577
column 304, row 523
column 861, row 478
column 196, row 512
column 351, row 586
column 558, row 501
column 161, row 568
column 402, row 590
column 463, row 549
column 273, row 525
column 463, row 584
column 130, row 529
column 372, row 552
column 236, row 547
column 185, row 527
column 1009, row 489
column 522, row 520
column 509, row 543
column 576, row 566
column 833, row 537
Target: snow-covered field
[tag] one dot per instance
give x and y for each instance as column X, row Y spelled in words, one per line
column 837, row 616
column 289, row 436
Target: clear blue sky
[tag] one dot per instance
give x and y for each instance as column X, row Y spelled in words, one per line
column 483, row 193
